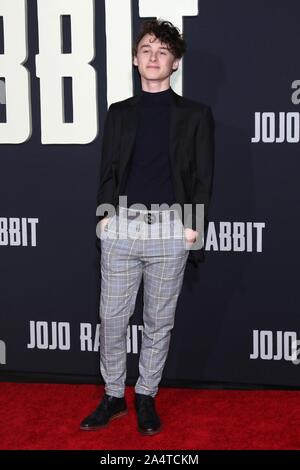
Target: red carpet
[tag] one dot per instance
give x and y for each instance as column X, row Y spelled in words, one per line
column 47, row 416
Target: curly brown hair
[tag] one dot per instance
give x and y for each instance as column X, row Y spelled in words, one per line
column 166, row 32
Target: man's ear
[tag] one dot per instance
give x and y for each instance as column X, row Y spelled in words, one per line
column 135, row 60
column 175, row 64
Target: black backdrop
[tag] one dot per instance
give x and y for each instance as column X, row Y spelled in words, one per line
column 238, row 314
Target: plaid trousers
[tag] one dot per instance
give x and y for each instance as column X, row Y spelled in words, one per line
column 126, row 256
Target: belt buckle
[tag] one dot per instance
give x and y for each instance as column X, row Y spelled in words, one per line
column 149, row 218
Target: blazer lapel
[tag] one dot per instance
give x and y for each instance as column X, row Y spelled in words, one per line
column 129, row 127
column 177, row 124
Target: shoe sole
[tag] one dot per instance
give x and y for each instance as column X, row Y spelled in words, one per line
column 95, row 428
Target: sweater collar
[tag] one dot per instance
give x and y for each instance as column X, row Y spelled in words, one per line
column 156, row 98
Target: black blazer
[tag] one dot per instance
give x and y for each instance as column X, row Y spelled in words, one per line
column 191, row 154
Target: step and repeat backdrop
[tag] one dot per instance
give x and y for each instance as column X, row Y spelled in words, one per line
column 62, row 63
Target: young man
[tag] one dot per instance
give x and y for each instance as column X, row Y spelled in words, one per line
column 158, row 149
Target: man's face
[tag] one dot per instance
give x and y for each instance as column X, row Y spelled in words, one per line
column 154, row 60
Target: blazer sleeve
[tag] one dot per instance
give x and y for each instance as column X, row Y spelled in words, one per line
column 105, row 188
column 205, row 161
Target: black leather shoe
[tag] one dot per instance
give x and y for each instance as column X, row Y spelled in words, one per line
column 108, row 409
column 148, row 419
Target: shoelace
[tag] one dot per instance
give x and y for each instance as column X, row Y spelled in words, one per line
column 104, row 405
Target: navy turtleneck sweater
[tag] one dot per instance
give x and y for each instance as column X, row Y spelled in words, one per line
column 149, row 179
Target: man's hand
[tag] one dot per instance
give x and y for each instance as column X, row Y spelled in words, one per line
column 103, row 223
column 190, row 235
